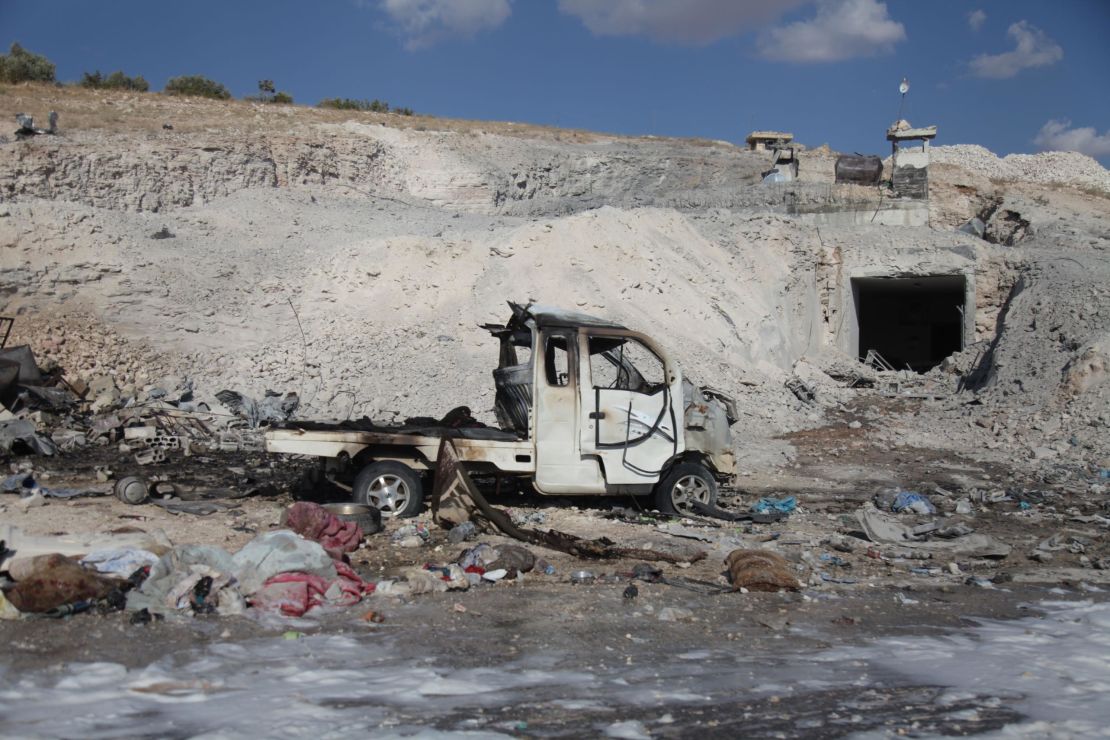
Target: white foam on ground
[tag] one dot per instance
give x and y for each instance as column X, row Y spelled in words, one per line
column 1053, row 669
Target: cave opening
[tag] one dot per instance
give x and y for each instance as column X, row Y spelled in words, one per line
column 912, row 322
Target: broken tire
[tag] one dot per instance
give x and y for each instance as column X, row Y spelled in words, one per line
column 685, row 483
column 393, row 488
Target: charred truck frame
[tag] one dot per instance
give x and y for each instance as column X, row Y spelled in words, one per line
column 585, row 407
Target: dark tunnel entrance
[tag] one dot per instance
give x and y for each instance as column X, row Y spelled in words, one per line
column 912, row 322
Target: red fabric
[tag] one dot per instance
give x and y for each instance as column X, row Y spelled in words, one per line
column 314, row 522
column 295, row 593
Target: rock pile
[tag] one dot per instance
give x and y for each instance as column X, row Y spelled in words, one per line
column 1064, row 168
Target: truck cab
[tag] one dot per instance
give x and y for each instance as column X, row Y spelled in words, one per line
column 605, row 407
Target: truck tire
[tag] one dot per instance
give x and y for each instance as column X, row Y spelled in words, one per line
column 685, row 482
column 393, row 488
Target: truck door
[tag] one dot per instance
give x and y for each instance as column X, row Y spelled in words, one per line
column 560, row 466
column 632, row 424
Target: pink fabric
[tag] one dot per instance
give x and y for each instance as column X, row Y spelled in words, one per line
column 293, row 594
column 314, row 522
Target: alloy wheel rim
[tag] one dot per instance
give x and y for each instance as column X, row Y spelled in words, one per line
column 687, row 490
column 389, row 493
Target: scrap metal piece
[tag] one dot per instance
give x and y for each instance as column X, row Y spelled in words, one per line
column 6, row 324
column 273, row 407
column 798, row 387
column 197, row 508
column 859, row 169
column 23, row 431
column 24, row 358
column 27, row 125
column 463, row 498
column 132, row 490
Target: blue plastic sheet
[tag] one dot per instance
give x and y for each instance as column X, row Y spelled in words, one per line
column 912, row 501
column 782, row 505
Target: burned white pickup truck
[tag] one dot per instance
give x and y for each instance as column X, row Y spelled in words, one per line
column 584, row 407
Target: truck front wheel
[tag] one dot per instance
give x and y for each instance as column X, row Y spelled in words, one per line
column 393, row 487
column 687, row 482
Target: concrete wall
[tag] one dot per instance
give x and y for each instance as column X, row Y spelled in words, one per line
column 886, row 212
column 882, row 252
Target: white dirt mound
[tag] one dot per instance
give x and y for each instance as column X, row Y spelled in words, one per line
column 1063, row 168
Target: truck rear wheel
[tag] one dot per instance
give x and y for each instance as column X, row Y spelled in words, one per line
column 687, row 482
column 393, row 487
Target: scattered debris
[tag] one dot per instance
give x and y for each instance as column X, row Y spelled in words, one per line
column 898, row 501
column 274, row 407
column 766, row 505
column 27, row 125
column 17, row 544
column 452, row 484
column 885, row 529
column 799, row 388
column 20, row 432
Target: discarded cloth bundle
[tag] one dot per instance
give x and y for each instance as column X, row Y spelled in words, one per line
column 293, row 594
column 44, row 582
column 758, row 570
column 314, row 522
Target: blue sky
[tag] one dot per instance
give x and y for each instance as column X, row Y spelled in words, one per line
column 1013, row 75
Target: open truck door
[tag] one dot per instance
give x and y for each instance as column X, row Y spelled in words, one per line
column 537, row 381
column 560, row 465
column 631, row 402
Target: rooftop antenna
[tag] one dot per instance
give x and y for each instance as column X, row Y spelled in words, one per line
column 903, row 88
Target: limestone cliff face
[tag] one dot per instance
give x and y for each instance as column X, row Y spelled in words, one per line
column 481, row 173
column 148, row 173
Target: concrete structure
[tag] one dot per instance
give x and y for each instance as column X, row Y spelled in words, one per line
column 910, row 159
column 761, row 141
column 915, row 301
column 887, row 213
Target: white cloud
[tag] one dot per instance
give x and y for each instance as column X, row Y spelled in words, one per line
column 426, row 22
column 841, row 29
column 1058, row 135
column 687, row 22
column 976, row 19
column 1033, row 49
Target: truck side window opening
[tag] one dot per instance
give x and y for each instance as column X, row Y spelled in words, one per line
column 516, row 350
column 556, row 366
column 524, row 354
column 625, row 364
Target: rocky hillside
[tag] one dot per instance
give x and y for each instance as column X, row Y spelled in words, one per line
column 351, row 256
